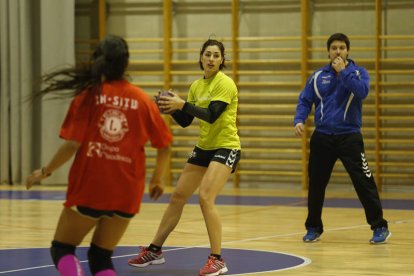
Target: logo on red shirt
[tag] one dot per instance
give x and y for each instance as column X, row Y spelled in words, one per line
column 113, row 125
column 102, row 150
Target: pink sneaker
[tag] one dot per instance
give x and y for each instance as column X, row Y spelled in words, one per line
column 213, row 267
column 146, row 257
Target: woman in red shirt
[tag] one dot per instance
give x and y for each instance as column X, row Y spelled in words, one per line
column 107, row 125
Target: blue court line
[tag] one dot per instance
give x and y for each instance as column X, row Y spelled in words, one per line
column 397, row 204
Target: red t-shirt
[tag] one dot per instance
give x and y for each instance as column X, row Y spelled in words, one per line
column 108, row 172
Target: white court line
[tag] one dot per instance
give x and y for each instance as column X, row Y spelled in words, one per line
column 277, row 236
column 25, row 269
column 228, row 242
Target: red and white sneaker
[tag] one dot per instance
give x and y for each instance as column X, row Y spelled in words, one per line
column 146, row 257
column 213, row 267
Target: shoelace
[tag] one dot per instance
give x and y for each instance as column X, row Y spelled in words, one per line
column 143, row 252
column 212, row 263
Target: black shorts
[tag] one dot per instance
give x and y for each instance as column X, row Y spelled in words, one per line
column 96, row 214
column 228, row 157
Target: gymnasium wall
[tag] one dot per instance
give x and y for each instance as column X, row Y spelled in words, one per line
column 270, row 68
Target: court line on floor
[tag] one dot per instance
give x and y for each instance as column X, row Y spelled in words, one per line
column 275, row 236
column 224, row 243
column 25, row 269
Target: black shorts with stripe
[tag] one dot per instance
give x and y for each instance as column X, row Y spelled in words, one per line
column 228, row 157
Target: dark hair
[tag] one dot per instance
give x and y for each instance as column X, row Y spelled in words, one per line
column 212, row 42
column 109, row 60
column 340, row 37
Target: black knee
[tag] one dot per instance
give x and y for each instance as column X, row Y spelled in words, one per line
column 58, row 250
column 99, row 259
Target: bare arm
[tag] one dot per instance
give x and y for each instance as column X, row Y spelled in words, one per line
column 62, row 155
column 156, row 187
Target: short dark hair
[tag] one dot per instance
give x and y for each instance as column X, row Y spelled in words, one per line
column 212, row 42
column 340, row 37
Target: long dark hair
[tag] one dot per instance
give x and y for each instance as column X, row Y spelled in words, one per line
column 109, row 60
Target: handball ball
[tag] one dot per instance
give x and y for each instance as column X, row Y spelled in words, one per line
column 163, row 93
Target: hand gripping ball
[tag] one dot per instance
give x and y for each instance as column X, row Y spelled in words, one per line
column 163, row 93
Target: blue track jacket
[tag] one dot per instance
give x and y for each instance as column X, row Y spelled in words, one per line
column 337, row 98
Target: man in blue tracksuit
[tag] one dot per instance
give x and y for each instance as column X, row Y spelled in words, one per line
column 337, row 91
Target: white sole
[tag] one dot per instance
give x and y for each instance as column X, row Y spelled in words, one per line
column 222, row 271
column 309, row 241
column 385, row 241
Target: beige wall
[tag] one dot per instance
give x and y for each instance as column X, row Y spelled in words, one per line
column 138, row 19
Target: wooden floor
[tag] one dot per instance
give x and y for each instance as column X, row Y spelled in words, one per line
column 342, row 250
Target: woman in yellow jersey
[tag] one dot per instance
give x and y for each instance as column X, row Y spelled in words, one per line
column 213, row 100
